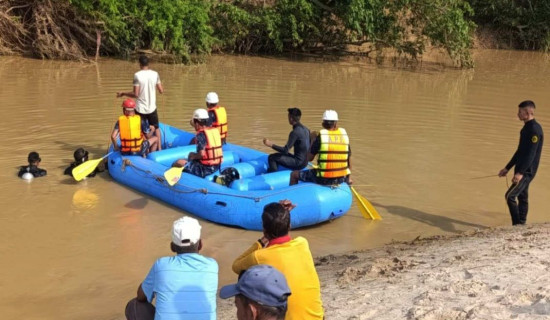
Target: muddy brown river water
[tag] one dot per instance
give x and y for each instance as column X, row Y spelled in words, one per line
column 419, row 137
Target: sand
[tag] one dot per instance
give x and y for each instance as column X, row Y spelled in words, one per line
column 496, row 273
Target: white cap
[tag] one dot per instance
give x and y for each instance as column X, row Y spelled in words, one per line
column 186, row 231
column 212, row 97
column 330, row 115
column 200, row 114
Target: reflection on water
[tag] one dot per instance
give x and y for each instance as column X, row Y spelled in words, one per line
column 79, row 250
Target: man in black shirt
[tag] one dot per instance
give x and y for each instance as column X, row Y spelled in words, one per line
column 525, row 162
column 297, row 139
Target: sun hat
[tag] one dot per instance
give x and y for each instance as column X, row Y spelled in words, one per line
column 129, row 104
column 261, row 283
column 330, row 115
column 200, row 114
column 212, row 97
column 186, row 231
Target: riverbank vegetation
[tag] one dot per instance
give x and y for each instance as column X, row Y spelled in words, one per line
column 182, row 29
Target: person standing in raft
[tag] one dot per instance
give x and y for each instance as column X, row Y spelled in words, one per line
column 334, row 155
column 209, row 155
column 80, row 156
column 184, row 286
column 135, row 133
column 297, row 139
column 525, row 162
column 146, row 84
column 217, row 114
column 32, row 170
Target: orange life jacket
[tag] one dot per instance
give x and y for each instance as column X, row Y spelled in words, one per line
column 333, row 153
column 131, row 136
column 212, row 154
column 221, row 120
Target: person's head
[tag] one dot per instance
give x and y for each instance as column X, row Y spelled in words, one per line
column 34, row 158
column 260, row 294
column 526, row 110
column 275, row 220
column 212, row 99
column 200, row 118
column 186, row 236
column 80, row 155
column 143, row 61
column 330, row 119
column 129, row 107
column 294, row 115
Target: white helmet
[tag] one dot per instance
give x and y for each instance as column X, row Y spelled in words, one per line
column 200, row 114
column 212, row 97
column 330, row 115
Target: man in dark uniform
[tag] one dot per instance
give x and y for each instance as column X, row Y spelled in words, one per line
column 525, row 162
column 297, row 139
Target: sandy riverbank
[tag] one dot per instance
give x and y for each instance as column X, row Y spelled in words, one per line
column 496, row 273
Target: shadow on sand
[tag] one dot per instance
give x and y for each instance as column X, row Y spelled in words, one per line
column 444, row 223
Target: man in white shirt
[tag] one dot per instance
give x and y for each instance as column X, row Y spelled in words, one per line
column 146, row 82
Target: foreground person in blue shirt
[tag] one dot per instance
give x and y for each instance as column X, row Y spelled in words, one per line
column 184, row 286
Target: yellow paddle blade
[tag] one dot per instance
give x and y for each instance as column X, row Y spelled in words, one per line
column 82, row 171
column 367, row 209
column 173, row 175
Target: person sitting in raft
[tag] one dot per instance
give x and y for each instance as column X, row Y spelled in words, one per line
column 297, row 139
column 209, row 153
column 136, row 135
column 334, row 160
column 32, row 170
column 217, row 114
column 81, row 156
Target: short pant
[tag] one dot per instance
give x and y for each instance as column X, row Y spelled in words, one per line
column 311, row 176
column 152, row 117
column 196, row 168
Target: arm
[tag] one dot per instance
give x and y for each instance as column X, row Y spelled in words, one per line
column 247, row 259
column 114, row 136
column 525, row 160
column 160, row 88
column 141, row 295
column 289, row 144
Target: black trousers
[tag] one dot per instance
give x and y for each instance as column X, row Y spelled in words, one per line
column 518, row 208
column 137, row 310
column 288, row 161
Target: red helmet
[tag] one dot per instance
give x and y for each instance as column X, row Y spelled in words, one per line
column 129, row 103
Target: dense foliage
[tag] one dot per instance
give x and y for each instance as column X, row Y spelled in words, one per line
column 523, row 24
column 68, row 29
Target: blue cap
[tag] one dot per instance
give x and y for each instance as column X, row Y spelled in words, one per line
column 261, row 283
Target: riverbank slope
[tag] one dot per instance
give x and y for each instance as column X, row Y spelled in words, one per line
column 495, row 273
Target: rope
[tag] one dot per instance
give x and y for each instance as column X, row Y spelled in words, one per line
column 144, row 173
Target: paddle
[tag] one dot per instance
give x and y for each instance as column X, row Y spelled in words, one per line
column 173, row 175
column 83, row 170
column 367, row 209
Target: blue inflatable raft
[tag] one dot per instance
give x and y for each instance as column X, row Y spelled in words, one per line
column 239, row 204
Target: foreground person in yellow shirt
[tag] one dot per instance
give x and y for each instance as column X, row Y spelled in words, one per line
column 291, row 257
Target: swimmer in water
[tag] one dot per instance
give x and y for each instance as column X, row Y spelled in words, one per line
column 32, row 170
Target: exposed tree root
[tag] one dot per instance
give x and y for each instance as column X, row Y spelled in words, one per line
column 46, row 29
